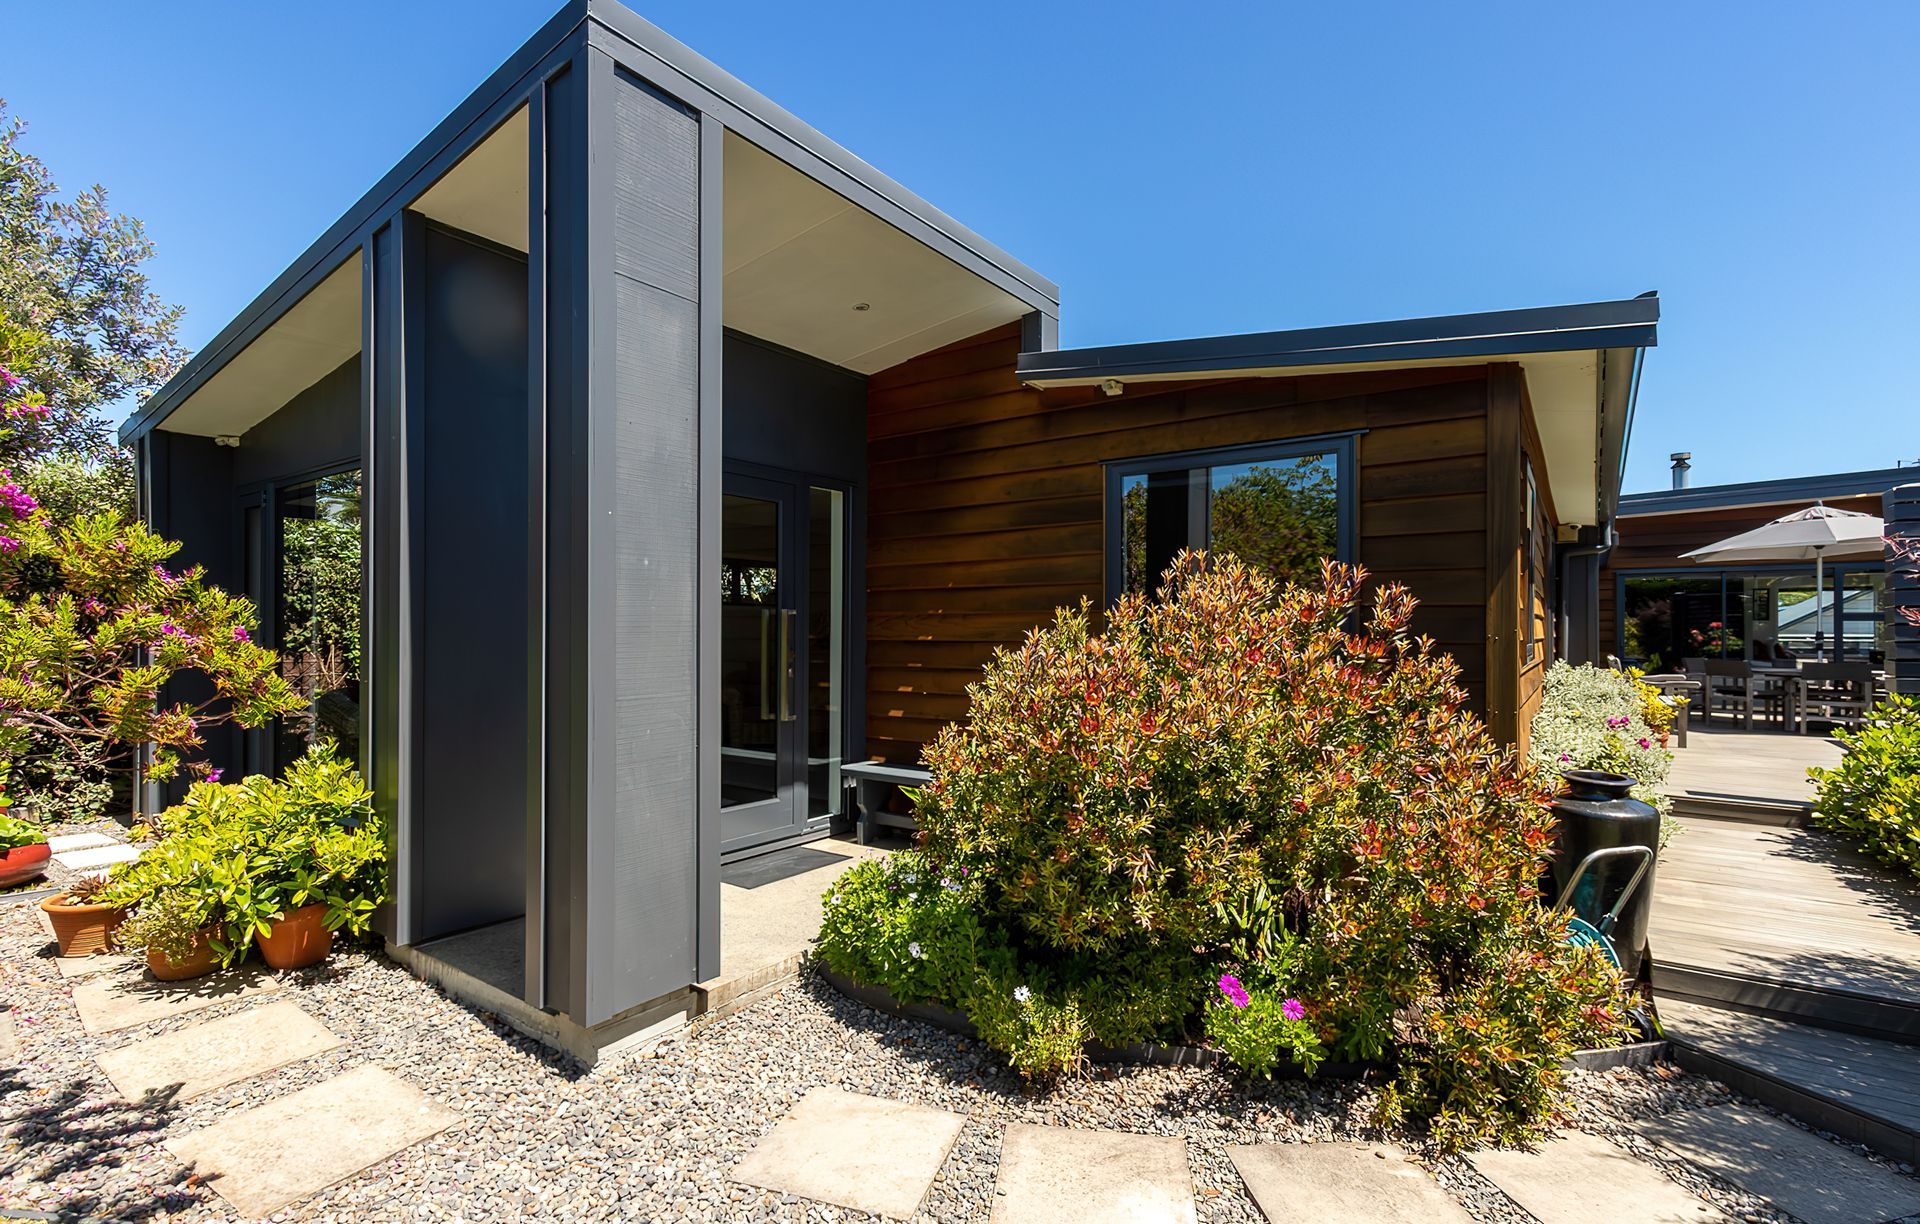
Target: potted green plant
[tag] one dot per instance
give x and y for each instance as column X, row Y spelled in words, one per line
column 84, row 917
column 175, row 927
column 23, row 847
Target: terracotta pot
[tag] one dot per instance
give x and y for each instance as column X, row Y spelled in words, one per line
column 23, row 863
column 82, row 930
column 297, row 939
column 198, row 963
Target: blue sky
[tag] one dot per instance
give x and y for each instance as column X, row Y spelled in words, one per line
column 1179, row 170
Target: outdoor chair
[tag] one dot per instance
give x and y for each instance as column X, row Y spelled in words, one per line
column 1730, row 686
column 1836, row 692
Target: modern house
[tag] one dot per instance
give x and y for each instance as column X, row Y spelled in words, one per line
column 684, row 458
column 1657, row 607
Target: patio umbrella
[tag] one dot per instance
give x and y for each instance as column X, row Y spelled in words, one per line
column 1813, row 534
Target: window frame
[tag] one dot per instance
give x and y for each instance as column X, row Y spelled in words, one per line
column 1342, row 446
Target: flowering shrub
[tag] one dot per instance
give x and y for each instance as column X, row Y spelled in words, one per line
column 1595, row 718
column 1716, row 640
column 1873, row 794
column 95, row 630
column 1235, row 777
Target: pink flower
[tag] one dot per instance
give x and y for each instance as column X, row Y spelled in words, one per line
column 1294, row 1009
column 8, row 544
column 1236, row 993
column 239, row 633
column 1645, row 742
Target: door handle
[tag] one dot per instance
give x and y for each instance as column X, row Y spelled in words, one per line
column 787, row 617
column 766, row 656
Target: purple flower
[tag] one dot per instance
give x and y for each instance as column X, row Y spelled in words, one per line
column 17, row 501
column 1236, row 993
column 1645, row 742
column 239, row 633
column 9, row 379
column 9, row 544
column 213, row 775
column 1565, row 757
column 1618, row 720
column 1293, row 1009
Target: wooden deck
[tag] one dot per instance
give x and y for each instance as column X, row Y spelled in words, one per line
column 1748, row 766
column 1790, row 906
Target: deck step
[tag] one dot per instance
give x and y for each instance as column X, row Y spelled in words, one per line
column 1863, row 1089
column 1779, row 813
column 1877, row 1016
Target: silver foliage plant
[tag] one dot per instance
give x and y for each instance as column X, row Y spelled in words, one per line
column 1590, row 719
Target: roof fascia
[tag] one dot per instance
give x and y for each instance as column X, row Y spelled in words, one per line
column 451, row 139
column 1596, row 325
column 651, row 53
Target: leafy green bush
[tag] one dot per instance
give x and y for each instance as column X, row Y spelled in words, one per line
column 239, row 855
column 1257, row 1026
column 1595, row 718
column 1263, row 782
column 1873, row 794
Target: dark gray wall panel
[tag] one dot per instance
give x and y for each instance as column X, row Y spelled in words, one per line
column 787, row 410
column 317, row 429
column 644, row 562
column 473, row 522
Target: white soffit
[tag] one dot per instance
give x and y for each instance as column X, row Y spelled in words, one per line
column 799, row 257
column 486, row 191
column 300, row 348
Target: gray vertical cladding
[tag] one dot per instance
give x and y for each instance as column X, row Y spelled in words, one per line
column 472, row 513
column 1900, row 507
column 317, row 430
column 389, row 662
column 644, row 547
column 788, row 410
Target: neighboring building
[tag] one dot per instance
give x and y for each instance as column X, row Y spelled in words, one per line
column 632, row 457
column 1656, row 607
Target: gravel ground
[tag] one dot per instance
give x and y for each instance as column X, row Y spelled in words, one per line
column 651, row 1137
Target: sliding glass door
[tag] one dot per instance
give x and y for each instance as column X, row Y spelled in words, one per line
column 783, row 668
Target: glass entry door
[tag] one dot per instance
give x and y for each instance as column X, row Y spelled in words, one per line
column 782, row 658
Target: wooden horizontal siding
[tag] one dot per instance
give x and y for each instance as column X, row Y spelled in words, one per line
column 1656, row 542
column 986, row 504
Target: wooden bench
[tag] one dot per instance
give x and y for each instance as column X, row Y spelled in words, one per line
column 874, row 782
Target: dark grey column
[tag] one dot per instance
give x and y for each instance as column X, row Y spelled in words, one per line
column 1900, row 506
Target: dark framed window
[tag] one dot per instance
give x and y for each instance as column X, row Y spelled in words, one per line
column 318, row 624
column 1280, row 507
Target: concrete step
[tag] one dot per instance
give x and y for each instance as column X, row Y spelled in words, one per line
column 1864, row 1089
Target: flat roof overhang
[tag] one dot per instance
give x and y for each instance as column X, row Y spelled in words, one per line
column 1582, row 364
column 1792, row 490
column 644, row 49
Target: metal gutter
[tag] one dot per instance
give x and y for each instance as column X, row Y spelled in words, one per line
column 1629, row 323
column 1767, row 492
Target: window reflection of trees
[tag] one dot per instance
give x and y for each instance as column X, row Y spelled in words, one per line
column 1280, row 517
column 320, row 613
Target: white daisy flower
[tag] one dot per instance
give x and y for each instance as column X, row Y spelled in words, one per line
column 1021, row 994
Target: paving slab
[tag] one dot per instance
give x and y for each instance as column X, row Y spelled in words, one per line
column 78, row 841
column 1054, row 1175
column 1340, row 1182
column 97, row 856
column 84, row 966
column 855, row 1151
column 263, row 1158
column 9, row 1040
column 194, row 1061
column 1582, row 1179
column 111, row 1003
column 1799, row 1173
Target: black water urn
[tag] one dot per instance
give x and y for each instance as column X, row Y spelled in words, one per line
column 1597, row 812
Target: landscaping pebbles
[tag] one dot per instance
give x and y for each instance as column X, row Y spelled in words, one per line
column 652, row 1136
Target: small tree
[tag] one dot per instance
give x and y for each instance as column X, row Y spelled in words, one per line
column 99, row 642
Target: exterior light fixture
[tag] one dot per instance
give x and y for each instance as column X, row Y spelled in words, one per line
column 863, row 306
column 227, row 440
column 1113, row 386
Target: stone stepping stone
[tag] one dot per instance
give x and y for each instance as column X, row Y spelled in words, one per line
column 1802, row 1174
column 1340, row 1183
column 109, row 1004
column 1056, row 1175
column 856, row 1151
column 9, row 1040
column 194, row 1061
column 96, row 857
column 263, row 1158
column 1582, row 1179
column 82, row 966
column 78, row 841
